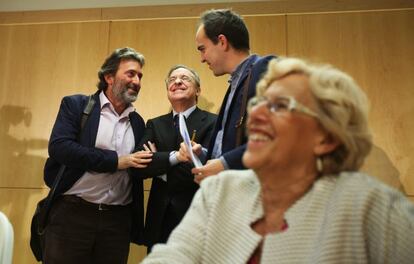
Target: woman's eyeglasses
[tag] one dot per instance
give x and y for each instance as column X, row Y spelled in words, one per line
column 281, row 104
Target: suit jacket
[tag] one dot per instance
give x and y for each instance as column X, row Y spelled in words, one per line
column 79, row 154
column 176, row 194
column 230, row 151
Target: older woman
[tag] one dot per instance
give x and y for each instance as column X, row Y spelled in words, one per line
column 303, row 200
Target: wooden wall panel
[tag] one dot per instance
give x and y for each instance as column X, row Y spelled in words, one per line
column 376, row 48
column 194, row 10
column 253, row 8
column 40, row 64
column 267, row 34
column 164, row 43
column 45, row 16
column 19, row 205
column 167, row 42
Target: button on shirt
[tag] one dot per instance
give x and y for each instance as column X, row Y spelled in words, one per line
column 114, row 133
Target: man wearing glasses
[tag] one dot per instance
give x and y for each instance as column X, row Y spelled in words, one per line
column 173, row 185
column 98, row 209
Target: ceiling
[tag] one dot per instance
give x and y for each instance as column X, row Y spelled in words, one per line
column 31, row 5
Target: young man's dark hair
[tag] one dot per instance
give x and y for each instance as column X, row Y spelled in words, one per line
column 111, row 64
column 228, row 23
column 223, row 42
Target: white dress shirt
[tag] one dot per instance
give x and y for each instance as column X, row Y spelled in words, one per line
column 114, row 133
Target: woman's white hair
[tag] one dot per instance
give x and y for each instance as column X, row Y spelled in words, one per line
column 342, row 109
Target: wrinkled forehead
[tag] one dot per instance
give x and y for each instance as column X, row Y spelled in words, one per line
column 290, row 85
column 295, row 85
column 200, row 32
column 180, row 72
column 129, row 65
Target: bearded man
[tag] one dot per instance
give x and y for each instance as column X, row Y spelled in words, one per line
column 99, row 207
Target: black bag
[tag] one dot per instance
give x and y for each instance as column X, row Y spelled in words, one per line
column 40, row 217
column 37, row 238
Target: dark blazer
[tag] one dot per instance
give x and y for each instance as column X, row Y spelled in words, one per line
column 169, row 201
column 230, row 152
column 79, row 154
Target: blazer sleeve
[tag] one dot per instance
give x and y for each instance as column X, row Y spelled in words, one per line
column 233, row 158
column 160, row 159
column 64, row 146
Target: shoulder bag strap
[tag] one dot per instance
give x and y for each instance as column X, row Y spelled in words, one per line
column 51, row 195
column 240, row 123
column 85, row 115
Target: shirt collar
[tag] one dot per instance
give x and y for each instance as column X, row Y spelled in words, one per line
column 240, row 68
column 187, row 112
column 106, row 103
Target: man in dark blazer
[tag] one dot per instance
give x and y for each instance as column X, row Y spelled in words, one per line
column 223, row 42
column 97, row 202
column 173, row 185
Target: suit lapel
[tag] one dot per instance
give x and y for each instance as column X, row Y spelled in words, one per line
column 244, row 74
column 238, row 92
column 165, row 127
column 195, row 121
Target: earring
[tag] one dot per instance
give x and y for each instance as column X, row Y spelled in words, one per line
column 319, row 165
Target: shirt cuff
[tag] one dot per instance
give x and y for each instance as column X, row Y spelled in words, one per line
column 224, row 162
column 173, row 158
column 163, row 177
column 203, row 155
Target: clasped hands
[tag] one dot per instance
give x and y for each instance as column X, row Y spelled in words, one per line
column 212, row 167
column 139, row 159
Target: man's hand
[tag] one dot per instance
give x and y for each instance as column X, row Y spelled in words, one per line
column 183, row 155
column 139, row 159
column 150, row 147
column 212, row 167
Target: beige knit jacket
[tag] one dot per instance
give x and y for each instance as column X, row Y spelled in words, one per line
column 346, row 218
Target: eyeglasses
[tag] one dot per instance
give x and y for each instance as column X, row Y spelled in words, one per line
column 281, row 104
column 183, row 78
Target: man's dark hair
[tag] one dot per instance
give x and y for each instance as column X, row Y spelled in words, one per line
column 228, row 23
column 111, row 64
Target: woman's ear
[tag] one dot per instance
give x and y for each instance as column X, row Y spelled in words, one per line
column 327, row 144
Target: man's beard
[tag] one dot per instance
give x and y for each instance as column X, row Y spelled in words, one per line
column 120, row 90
